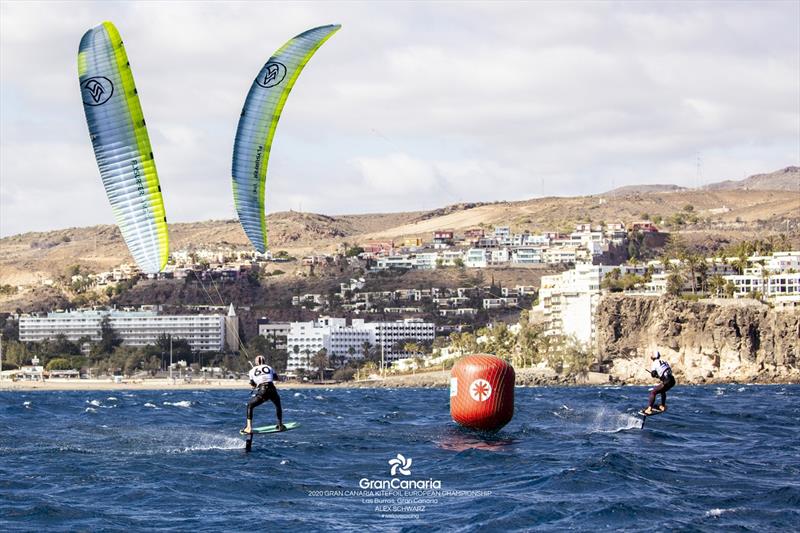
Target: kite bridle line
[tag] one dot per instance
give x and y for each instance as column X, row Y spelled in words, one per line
column 243, row 348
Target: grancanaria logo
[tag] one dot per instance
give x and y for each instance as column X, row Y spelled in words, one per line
column 271, row 75
column 97, row 90
column 401, row 464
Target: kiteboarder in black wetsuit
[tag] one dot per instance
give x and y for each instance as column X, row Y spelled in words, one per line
column 662, row 371
column 262, row 377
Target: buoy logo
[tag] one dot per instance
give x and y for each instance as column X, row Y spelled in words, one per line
column 401, row 464
column 480, row 390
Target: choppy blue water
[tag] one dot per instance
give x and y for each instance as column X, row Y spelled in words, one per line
column 722, row 457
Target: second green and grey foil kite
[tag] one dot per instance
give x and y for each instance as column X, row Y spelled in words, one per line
column 122, row 146
column 257, row 124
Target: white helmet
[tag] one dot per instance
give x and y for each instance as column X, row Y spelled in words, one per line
column 656, row 355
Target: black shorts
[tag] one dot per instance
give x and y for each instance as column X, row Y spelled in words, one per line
column 668, row 381
column 264, row 393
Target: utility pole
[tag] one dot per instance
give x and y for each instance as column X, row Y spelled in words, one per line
column 170, row 357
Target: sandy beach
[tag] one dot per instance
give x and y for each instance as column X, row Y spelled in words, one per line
column 421, row 379
column 526, row 377
column 138, row 384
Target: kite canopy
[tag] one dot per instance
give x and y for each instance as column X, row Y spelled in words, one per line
column 257, row 124
column 122, row 146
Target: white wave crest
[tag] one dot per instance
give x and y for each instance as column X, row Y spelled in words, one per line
column 184, row 403
column 718, row 512
column 96, row 403
column 90, row 410
column 206, row 441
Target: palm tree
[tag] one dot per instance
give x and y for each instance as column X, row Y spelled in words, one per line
column 716, row 285
column 367, row 347
column 321, row 361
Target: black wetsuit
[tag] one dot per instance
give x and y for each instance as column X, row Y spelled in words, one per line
column 667, row 382
column 261, row 394
column 261, row 378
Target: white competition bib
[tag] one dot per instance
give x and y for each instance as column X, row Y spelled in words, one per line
column 262, row 374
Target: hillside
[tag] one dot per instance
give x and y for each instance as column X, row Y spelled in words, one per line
column 638, row 189
column 787, row 179
column 722, row 216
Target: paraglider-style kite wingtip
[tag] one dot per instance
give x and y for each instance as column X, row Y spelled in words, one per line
column 257, row 123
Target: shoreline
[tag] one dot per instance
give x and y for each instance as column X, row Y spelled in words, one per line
column 437, row 379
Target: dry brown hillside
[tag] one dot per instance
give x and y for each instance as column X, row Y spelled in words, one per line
column 726, row 215
column 786, row 179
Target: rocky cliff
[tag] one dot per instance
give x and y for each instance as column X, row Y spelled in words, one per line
column 721, row 340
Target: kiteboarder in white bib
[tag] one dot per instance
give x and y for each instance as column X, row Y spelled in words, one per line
column 262, row 379
column 663, row 372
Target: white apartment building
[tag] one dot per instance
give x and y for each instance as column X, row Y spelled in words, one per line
column 782, row 286
column 776, row 277
column 528, row 255
column 426, row 260
column 499, row 256
column 306, row 339
column 568, row 301
column 499, row 303
column 275, row 332
column 449, row 257
column 388, row 334
column 475, row 258
column 563, row 254
column 503, row 234
column 135, row 328
column 422, row 261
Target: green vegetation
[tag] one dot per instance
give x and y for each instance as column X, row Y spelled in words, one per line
column 354, row 251
column 767, row 246
column 283, row 255
column 615, row 281
column 530, row 347
column 59, row 363
column 569, row 357
column 683, row 264
column 7, row 290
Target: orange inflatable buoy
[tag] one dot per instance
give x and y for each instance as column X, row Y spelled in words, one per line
column 482, row 392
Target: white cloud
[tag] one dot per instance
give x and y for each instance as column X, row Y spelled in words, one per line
column 410, row 105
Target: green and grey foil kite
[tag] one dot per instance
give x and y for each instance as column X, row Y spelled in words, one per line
column 122, row 146
column 257, row 124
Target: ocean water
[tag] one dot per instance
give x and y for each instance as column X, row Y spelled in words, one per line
column 722, row 457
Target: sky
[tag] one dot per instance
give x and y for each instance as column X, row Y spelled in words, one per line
column 410, row 105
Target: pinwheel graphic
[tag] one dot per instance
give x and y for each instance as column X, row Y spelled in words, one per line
column 400, row 464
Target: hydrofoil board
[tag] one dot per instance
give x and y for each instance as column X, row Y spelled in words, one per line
column 645, row 416
column 273, row 428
